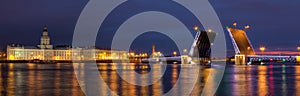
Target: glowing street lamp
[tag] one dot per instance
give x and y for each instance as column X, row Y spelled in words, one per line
column 262, row 49
column 234, row 24
column 298, row 48
column 185, row 51
column 248, row 48
column 174, row 53
column 209, row 30
column 196, row 28
column 246, row 27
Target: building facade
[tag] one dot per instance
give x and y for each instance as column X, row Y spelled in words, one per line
column 45, row 51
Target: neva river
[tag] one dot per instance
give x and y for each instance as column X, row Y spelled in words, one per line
column 60, row 80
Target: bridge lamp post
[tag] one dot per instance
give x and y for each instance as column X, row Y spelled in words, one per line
column 246, row 27
column 247, row 53
column 262, row 49
column 234, row 24
column 196, row 28
column 185, row 51
column 298, row 48
column 209, row 30
column 174, row 53
column 248, row 49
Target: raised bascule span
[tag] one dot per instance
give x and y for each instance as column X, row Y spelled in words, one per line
column 245, row 54
column 200, row 51
column 240, row 41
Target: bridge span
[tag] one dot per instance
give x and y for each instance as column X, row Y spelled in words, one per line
column 260, row 59
column 270, row 58
column 244, row 51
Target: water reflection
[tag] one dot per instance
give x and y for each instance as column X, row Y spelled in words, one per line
column 266, row 80
column 41, row 80
column 297, row 80
column 262, row 79
column 165, row 84
column 59, row 80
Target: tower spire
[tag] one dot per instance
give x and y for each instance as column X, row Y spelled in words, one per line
column 45, row 28
column 153, row 49
column 45, row 31
column 45, row 40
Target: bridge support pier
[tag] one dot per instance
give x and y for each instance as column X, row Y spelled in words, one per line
column 240, row 59
column 185, row 59
column 298, row 59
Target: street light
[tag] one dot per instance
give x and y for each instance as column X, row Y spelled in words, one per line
column 209, row 30
column 248, row 48
column 262, row 49
column 174, row 53
column 234, row 24
column 196, row 28
column 184, row 51
column 298, row 48
column 246, row 27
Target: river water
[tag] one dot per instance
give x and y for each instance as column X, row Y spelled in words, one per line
column 24, row 79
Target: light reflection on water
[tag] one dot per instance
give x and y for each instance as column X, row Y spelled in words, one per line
column 164, row 85
column 39, row 80
column 59, row 79
column 256, row 80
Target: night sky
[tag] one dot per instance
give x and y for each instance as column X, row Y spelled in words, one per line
column 274, row 23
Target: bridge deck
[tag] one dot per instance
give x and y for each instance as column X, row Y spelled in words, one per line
column 241, row 41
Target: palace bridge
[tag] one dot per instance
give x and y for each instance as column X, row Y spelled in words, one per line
column 244, row 51
column 245, row 54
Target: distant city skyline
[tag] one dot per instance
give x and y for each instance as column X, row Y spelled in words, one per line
column 273, row 24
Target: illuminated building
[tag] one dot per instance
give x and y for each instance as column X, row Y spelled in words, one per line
column 154, row 53
column 45, row 40
column 45, row 51
column 2, row 55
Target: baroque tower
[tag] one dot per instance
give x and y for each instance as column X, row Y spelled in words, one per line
column 45, row 40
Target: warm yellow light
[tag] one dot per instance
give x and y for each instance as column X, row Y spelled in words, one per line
column 234, row 24
column 184, row 50
column 174, row 53
column 11, row 57
column 247, row 27
column 196, row 28
column 57, row 57
column 209, row 30
column 68, row 52
column 132, row 54
column 298, row 48
column 298, row 58
column 262, row 49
